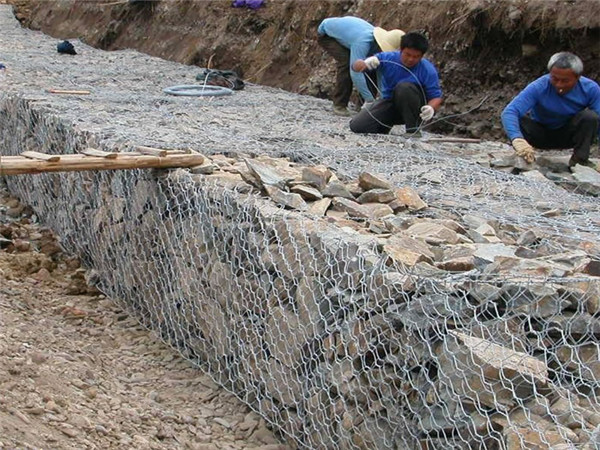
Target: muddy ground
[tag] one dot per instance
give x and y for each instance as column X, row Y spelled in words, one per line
column 486, row 51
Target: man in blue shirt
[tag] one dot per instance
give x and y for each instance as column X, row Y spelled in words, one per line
column 348, row 39
column 558, row 110
column 410, row 88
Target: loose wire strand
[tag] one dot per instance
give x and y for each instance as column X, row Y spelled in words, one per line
column 423, row 124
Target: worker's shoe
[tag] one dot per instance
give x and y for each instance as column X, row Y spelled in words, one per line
column 587, row 163
column 342, row 111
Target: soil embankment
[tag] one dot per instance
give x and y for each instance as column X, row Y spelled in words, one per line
column 485, row 51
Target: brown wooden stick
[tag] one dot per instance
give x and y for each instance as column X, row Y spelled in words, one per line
column 152, row 151
column 62, row 91
column 100, row 153
column 79, row 162
column 40, row 156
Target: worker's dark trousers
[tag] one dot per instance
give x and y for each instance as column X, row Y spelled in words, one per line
column 403, row 108
column 578, row 134
column 343, row 81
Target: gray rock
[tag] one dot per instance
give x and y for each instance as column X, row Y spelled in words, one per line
column 336, row 189
column 587, row 178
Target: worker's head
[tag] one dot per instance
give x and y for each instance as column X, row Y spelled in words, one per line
column 565, row 69
column 413, row 45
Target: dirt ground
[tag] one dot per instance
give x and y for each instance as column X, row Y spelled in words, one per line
column 485, row 51
column 77, row 372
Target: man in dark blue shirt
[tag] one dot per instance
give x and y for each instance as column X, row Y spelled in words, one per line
column 410, row 93
column 558, row 110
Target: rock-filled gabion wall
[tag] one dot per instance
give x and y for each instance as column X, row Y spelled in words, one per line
column 343, row 310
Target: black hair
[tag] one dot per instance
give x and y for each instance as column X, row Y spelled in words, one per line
column 415, row 41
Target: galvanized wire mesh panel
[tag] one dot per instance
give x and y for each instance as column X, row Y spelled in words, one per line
column 315, row 325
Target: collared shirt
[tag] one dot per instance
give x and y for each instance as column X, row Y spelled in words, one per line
column 541, row 100
column 423, row 74
column 356, row 35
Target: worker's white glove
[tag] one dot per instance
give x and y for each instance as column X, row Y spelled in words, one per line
column 372, row 62
column 427, row 113
column 524, row 150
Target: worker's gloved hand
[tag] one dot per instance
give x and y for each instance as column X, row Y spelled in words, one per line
column 367, row 105
column 372, row 62
column 524, row 150
column 427, row 113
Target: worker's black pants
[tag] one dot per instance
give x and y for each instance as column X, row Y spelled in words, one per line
column 578, row 134
column 403, row 108
column 343, row 81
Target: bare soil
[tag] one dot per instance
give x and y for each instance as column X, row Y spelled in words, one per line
column 78, row 372
column 486, row 51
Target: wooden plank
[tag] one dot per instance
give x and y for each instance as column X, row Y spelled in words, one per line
column 100, row 153
column 41, row 156
column 152, row 151
column 68, row 92
column 79, row 162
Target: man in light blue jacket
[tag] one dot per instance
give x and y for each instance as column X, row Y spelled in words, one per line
column 558, row 110
column 348, row 39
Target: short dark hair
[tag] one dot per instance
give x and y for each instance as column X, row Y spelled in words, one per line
column 414, row 40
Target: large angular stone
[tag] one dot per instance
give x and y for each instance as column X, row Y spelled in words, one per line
column 526, row 267
column 351, row 207
column 319, row 208
column 368, row 181
column 433, row 233
column 484, row 234
column 587, row 178
column 409, row 251
column 307, row 192
column 376, row 210
column 286, row 199
column 377, row 196
column 408, row 197
column 267, row 176
column 489, row 372
column 318, row 176
column 487, row 253
column 336, row 189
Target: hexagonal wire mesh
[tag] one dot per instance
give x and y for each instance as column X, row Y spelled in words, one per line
column 309, row 323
